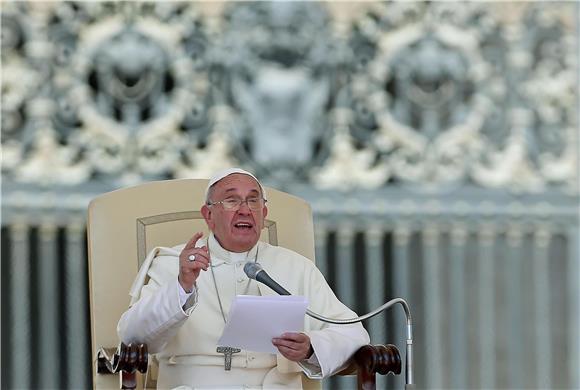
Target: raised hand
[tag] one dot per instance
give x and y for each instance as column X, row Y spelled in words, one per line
column 191, row 261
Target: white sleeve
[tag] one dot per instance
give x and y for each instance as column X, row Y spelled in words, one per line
column 311, row 367
column 157, row 316
column 187, row 300
column 333, row 344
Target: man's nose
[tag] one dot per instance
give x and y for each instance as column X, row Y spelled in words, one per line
column 244, row 208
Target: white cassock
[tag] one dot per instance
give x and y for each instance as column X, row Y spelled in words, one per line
column 185, row 341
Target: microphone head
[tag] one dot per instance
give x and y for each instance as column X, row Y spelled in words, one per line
column 251, row 269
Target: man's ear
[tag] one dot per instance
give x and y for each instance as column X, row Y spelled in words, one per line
column 265, row 211
column 206, row 212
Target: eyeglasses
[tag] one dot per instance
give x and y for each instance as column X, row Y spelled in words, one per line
column 254, row 204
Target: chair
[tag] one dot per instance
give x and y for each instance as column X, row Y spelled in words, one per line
column 124, row 225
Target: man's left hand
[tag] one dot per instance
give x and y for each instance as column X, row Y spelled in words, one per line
column 294, row 346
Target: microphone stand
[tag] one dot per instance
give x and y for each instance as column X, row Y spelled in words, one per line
column 409, row 347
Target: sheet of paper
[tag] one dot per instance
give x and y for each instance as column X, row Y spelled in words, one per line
column 254, row 320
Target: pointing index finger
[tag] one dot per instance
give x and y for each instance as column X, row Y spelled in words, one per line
column 191, row 243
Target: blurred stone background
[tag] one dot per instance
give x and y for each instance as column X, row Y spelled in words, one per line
column 436, row 141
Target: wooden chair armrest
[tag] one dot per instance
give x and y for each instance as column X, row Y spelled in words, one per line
column 126, row 359
column 370, row 360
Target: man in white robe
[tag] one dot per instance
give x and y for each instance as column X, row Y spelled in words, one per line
column 181, row 311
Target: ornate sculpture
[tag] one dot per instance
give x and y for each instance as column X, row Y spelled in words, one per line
column 426, row 94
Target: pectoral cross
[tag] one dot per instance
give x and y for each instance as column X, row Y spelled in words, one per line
column 228, row 352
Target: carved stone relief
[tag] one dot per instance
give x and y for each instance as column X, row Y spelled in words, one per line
column 425, row 95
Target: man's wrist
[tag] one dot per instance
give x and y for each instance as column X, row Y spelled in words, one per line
column 187, row 290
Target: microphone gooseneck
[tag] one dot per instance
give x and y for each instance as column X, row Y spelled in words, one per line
column 255, row 271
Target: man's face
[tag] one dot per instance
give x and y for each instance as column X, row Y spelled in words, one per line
column 236, row 230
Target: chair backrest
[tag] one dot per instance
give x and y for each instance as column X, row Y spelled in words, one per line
column 124, row 225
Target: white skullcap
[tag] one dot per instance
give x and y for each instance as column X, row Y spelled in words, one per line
column 230, row 171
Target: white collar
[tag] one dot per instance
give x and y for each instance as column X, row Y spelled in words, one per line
column 219, row 255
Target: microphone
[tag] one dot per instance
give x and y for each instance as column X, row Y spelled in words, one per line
column 256, row 272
